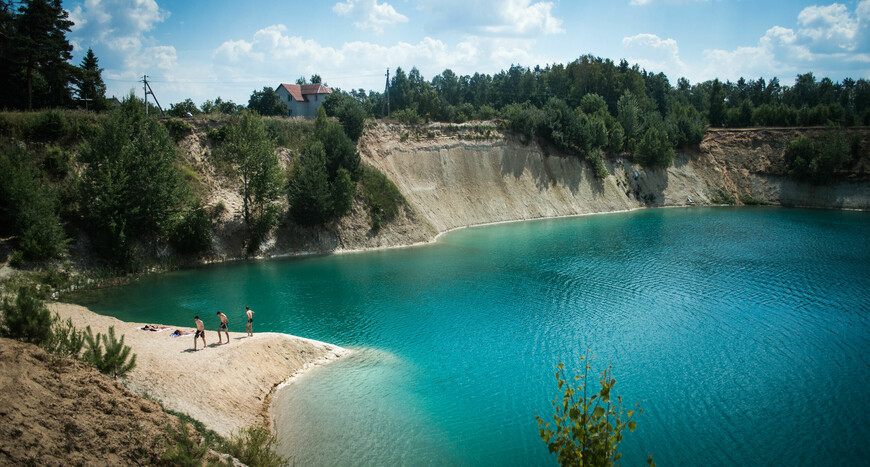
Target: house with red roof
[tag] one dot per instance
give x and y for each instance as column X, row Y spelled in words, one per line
column 303, row 100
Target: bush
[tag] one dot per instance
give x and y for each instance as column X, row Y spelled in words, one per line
column 407, row 116
column 722, row 197
column 256, row 447
column 26, row 319
column 596, row 160
column 817, row 161
column 292, row 133
column 587, row 429
column 177, row 129
column 655, row 149
column 523, row 119
column 382, row 196
column 65, row 340
column 114, row 360
column 181, row 448
column 57, row 162
column 50, row 125
column 192, row 234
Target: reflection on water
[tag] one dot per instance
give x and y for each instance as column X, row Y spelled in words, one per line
column 742, row 333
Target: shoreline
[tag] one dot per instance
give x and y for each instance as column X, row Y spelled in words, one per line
column 226, row 387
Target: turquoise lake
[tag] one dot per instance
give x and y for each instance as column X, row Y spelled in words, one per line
column 744, row 334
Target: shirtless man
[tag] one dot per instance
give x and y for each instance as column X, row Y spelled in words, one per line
column 223, row 327
column 200, row 332
column 250, row 326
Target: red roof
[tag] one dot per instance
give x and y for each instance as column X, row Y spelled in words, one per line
column 299, row 92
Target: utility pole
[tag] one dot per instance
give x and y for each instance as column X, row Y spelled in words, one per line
column 387, row 92
column 148, row 90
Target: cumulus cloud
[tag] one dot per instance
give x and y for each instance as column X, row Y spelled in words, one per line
column 828, row 39
column 655, row 54
column 523, row 17
column 373, row 16
column 118, row 29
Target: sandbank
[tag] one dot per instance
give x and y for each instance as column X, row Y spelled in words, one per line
column 227, row 387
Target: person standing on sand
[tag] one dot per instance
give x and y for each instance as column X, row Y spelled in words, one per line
column 223, row 327
column 200, row 332
column 250, row 326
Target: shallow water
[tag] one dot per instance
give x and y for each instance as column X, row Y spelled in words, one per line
column 742, row 333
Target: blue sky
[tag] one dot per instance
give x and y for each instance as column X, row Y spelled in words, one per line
column 204, row 49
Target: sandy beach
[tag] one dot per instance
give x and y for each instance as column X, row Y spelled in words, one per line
column 227, row 387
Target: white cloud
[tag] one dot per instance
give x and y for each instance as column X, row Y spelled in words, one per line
column 273, row 56
column 831, row 26
column 675, row 2
column 655, row 54
column 373, row 16
column 118, row 29
column 523, row 17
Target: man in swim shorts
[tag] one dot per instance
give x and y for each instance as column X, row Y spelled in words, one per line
column 223, row 327
column 200, row 332
column 250, row 326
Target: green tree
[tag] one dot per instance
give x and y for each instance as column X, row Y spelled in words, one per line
column 267, row 102
column 342, row 190
column 716, row 108
column 41, row 28
column 89, row 83
column 628, row 114
column 108, row 354
column 255, row 446
column 587, row 426
column 309, row 192
column 655, row 149
column 26, row 319
column 29, row 207
column 130, row 189
column 340, row 150
column 249, row 148
column 181, row 109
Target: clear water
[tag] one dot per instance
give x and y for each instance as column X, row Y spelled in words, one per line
column 743, row 333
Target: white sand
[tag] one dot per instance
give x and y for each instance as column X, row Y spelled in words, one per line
column 227, row 387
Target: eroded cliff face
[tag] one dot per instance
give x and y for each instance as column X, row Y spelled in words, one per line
column 455, row 176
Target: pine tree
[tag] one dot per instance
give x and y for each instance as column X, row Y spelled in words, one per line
column 89, row 83
column 41, row 28
column 114, row 360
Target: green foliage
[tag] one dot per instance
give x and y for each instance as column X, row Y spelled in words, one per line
column 616, row 138
column 57, row 162
column 722, row 197
column 131, row 189
column 655, row 149
column 65, row 340
column 523, row 119
column 343, row 190
column 751, row 201
column 89, row 83
column 26, row 319
column 818, row 161
column 587, row 427
column 309, row 192
column 267, row 102
column 192, row 233
column 407, row 116
column 593, row 103
column 628, row 114
column 251, row 151
column 181, row 448
column 381, row 195
column 716, row 112
column 340, row 151
column 352, row 117
column 29, row 207
column 292, row 133
column 596, row 160
column 255, row 446
column 50, row 125
column 178, row 129
column 112, row 361
column 218, row 135
column 182, row 109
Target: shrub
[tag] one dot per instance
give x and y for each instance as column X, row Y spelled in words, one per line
column 655, row 149
column 382, row 196
column 181, row 448
column 256, row 447
column 596, row 160
column 722, row 197
column 114, row 360
column 587, row 429
column 56, row 162
column 50, row 125
column 523, row 119
column 818, row 161
column 407, row 116
column 65, row 340
column 192, row 234
column 26, row 319
column 177, row 129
